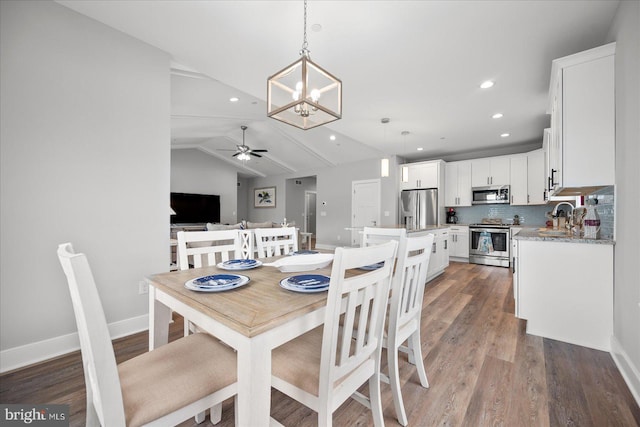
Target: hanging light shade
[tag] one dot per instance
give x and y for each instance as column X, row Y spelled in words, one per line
column 304, row 94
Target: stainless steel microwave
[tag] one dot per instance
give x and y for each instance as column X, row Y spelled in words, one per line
column 495, row 194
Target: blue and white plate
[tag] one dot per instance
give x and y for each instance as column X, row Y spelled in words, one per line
column 239, row 264
column 372, row 266
column 306, row 283
column 303, row 252
column 217, row 282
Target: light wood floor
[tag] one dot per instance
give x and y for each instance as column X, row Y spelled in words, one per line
column 483, row 370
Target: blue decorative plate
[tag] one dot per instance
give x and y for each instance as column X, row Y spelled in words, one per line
column 217, row 282
column 239, row 264
column 306, row 283
column 372, row 266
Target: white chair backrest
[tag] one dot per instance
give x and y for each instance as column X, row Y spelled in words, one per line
column 364, row 296
column 207, row 248
column 409, row 281
column 98, row 358
column 276, row 241
column 375, row 236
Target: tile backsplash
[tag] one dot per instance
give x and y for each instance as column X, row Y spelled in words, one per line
column 529, row 215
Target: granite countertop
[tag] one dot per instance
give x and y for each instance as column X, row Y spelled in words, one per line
column 534, row 234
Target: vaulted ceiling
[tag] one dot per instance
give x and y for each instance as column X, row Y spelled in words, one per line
column 418, row 63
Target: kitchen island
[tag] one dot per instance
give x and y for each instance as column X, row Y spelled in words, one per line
column 563, row 287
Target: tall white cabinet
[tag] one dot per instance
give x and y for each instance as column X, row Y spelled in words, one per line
column 582, row 108
column 490, row 171
column 527, row 178
column 457, row 180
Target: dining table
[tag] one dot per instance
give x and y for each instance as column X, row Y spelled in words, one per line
column 253, row 319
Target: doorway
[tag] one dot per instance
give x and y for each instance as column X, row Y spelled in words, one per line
column 365, row 207
column 310, row 212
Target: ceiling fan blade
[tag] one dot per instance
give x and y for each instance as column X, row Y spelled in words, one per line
column 254, row 154
column 260, row 151
column 235, row 154
column 225, row 149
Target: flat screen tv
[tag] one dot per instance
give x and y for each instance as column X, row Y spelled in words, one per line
column 195, row 208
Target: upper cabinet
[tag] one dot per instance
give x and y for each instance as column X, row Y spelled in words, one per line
column 420, row 175
column 490, row 171
column 457, row 184
column 582, row 107
column 528, row 178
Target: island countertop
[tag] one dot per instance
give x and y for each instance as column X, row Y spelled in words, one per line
column 534, row 234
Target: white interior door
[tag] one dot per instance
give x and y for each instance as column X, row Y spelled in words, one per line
column 365, row 207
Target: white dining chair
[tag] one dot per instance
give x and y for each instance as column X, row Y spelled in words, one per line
column 377, row 235
column 207, row 248
column 405, row 308
column 325, row 366
column 166, row 386
column 276, row 241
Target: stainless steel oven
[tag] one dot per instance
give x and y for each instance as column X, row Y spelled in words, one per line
column 489, row 244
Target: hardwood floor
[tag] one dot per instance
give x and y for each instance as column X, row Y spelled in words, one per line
column 483, row 370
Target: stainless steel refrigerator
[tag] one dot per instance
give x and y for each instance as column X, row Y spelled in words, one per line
column 419, row 208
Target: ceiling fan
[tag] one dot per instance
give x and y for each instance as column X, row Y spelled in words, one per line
column 244, row 152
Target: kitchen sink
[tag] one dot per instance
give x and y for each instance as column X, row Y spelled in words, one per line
column 553, row 233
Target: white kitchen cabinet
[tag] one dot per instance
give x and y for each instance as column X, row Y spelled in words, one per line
column 582, row 108
column 439, row 259
column 490, row 171
column 515, row 268
column 536, row 178
column 527, row 178
column 562, row 299
column 421, row 175
column 518, row 180
column 458, row 184
column 459, row 243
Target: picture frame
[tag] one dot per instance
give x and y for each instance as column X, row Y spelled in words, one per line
column 264, row 197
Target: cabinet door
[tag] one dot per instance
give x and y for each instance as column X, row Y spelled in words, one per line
column 518, row 180
column 555, row 151
column 588, row 123
column 464, row 184
column 451, row 184
column 427, row 175
column 480, row 172
column 535, row 178
column 500, row 167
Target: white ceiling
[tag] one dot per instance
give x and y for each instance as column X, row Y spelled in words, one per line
column 419, row 63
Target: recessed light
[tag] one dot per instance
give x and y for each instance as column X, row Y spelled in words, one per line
column 420, row 148
column 487, row 84
column 234, row 99
column 332, row 137
column 497, row 116
column 504, row 135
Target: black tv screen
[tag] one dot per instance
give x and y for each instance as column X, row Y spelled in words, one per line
column 195, row 208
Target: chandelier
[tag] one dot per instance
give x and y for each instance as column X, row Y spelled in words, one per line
column 303, row 94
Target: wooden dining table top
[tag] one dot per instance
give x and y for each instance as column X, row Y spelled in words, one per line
column 251, row 309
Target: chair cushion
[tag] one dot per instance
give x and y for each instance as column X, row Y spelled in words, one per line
column 303, row 370
column 174, row 375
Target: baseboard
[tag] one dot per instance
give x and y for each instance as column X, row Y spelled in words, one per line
column 626, row 367
column 19, row 357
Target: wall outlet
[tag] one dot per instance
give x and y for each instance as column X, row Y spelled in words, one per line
column 143, row 287
column 386, row 213
column 338, row 237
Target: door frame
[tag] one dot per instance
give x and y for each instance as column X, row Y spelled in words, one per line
column 306, row 209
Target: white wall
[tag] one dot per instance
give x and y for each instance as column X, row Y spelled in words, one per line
column 193, row 171
column 626, row 342
column 84, row 149
column 334, row 188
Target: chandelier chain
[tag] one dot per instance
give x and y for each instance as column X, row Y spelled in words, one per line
column 305, row 51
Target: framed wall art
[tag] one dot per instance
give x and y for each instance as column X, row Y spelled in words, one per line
column 264, row 197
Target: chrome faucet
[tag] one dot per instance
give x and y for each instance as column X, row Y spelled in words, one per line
column 554, row 213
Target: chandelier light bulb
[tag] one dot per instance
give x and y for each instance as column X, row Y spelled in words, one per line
column 315, row 95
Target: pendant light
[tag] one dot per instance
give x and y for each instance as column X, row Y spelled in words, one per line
column 303, row 94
